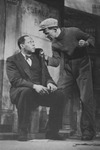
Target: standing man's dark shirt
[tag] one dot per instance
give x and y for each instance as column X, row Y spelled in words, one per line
column 69, row 50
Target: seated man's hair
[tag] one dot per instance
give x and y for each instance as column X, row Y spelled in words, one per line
column 21, row 40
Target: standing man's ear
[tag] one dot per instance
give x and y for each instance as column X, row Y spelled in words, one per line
column 55, row 29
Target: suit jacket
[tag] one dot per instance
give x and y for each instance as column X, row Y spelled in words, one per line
column 19, row 75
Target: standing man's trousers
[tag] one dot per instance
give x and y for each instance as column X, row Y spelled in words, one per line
column 78, row 71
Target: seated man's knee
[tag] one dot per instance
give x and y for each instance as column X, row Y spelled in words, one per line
column 26, row 90
column 25, row 95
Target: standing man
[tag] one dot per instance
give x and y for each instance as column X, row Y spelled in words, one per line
column 69, row 48
column 31, row 86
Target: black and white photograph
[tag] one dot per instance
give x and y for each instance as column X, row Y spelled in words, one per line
column 49, row 74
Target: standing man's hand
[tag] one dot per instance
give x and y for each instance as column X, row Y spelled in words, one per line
column 46, row 57
column 83, row 43
column 51, row 87
column 40, row 89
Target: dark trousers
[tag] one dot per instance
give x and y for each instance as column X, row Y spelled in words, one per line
column 29, row 100
column 78, row 71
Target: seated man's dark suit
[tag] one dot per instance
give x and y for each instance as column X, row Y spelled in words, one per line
column 22, row 77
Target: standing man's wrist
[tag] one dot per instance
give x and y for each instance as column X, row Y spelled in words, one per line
column 87, row 43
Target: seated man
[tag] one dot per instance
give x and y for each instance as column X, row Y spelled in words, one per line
column 31, row 86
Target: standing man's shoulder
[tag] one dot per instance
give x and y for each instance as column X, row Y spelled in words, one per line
column 72, row 29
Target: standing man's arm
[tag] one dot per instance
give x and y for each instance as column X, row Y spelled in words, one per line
column 54, row 60
column 46, row 77
column 85, row 39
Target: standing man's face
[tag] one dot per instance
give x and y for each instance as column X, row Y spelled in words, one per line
column 50, row 33
column 28, row 46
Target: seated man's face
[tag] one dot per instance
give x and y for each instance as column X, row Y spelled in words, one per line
column 29, row 46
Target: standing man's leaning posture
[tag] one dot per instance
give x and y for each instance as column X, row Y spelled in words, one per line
column 31, row 86
column 69, row 48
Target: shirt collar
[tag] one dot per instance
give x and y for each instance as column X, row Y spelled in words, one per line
column 23, row 55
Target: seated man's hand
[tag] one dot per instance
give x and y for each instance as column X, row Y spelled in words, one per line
column 51, row 87
column 40, row 89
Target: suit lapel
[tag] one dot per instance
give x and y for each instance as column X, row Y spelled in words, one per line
column 23, row 64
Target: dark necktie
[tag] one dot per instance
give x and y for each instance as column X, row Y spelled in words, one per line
column 28, row 57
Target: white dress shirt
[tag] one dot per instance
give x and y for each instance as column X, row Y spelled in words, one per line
column 29, row 61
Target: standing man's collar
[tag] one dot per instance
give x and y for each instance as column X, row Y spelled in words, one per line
column 61, row 34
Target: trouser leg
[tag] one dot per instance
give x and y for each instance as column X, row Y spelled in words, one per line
column 66, row 82
column 55, row 101
column 25, row 105
column 56, row 112
column 86, row 95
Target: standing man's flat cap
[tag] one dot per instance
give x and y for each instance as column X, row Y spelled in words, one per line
column 47, row 23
